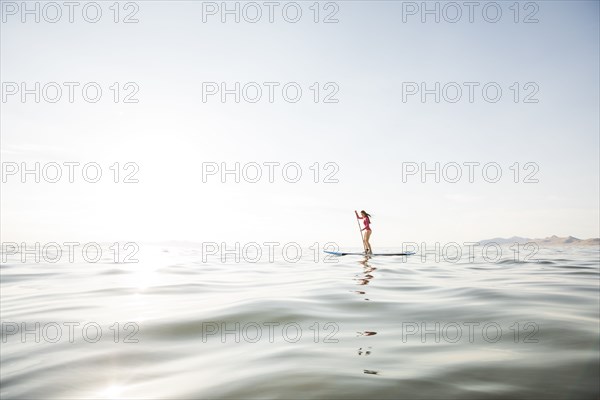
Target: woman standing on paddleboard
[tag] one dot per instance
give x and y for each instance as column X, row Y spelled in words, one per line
column 366, row 217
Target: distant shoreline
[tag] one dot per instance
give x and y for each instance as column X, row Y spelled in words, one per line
column 548, row 241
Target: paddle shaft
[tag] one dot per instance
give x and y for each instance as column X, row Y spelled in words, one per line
column 361, row 234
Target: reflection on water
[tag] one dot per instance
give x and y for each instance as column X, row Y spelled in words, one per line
column 367, row 270
column 366, row 352
column 174, row 326
column 367, row 276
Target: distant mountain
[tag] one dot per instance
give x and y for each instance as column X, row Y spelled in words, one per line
column 549, row 241
column 499, row 240
column 569, row 241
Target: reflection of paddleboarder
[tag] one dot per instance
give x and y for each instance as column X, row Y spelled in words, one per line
column 367, row 222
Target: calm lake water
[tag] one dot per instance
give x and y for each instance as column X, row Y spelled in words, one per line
column 176, row 325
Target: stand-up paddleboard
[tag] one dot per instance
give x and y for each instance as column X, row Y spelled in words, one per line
column 337, row 253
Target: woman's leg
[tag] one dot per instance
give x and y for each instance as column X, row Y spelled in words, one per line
column 367, row 243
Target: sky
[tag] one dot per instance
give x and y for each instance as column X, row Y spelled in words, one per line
column 363, row 131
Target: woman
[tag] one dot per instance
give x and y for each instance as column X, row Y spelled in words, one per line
column 366, row 217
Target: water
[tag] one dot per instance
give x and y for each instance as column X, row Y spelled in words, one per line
column 353, row 329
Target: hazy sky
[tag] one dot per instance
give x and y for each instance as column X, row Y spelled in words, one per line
column 367, row 56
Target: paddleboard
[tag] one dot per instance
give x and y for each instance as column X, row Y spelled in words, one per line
column 337, row 253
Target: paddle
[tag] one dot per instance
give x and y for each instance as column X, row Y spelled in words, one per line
column 360, row 230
